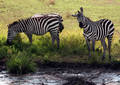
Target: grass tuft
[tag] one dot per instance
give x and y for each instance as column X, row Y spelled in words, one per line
column 20, row 64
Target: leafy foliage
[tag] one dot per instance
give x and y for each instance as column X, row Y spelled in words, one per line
column 20, row 64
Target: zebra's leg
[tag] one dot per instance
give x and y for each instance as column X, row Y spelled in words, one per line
column 30, row 37
column 109, row 46
column 10, row 37
column 93, row 45
column 53, row 39
column 104, row 48
column 58, row 42
column 88, row 46
column 55, row 36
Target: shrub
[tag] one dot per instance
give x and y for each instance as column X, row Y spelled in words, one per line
column 20, row 64
column 3, row 52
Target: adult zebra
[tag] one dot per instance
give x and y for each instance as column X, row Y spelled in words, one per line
column 38, row 26
column 52, row 15
column 96, row 30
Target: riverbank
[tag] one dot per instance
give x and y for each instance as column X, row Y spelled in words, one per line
column 114, row 65
column 69, row 73
column 63, row 76
column 111, row 65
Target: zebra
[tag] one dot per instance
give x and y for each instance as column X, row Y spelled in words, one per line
column 36, row 25
column 96, row 30
column 53, row 15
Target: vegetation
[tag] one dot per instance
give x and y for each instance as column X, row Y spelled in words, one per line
column 22, row 55
column 20, row 64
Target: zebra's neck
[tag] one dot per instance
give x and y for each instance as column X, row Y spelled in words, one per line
column 87, row 29
column 23, row 25
column 87, row 24
column 88, row 21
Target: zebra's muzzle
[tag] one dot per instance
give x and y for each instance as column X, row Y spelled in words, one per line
column 81, row 25
column 9, row 42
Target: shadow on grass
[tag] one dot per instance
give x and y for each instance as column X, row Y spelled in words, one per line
column 42, row 53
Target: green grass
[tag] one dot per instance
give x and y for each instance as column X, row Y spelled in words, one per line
column 20, row 64
column 72, row 44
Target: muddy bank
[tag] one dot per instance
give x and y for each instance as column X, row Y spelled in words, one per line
column 65, row 76
column 61, row 65
column 78, row 81
column 112, row 65
column 54, row 73
column 3, row 64
column 40, row 78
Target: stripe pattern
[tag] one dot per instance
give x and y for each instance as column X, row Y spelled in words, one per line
column 96, row 30
column 37, row 25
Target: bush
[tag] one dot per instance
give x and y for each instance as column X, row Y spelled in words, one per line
column 3, row 52
column 20, row 64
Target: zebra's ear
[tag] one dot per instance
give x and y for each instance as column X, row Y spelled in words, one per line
column 74, row 15
column 8, row 25
column 81, row 9
column 78, row 12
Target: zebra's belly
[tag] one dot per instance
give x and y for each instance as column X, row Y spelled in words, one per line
column 39, row 33
column 94, row 37
column 88, row 36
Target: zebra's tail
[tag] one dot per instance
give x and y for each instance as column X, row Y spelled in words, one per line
column 61, row 27
column 110, row 36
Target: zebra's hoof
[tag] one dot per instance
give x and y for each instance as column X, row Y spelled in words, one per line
column 109, row 58
column 89, row 57
column 57, row 48
column 103, row 58
column 8, row 43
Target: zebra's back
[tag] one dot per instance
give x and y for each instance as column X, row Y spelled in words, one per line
column 106, row 28
column 41, row 25
column 100, row 29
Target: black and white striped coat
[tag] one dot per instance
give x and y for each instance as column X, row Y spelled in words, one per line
column 96, row 30
column 38, row 26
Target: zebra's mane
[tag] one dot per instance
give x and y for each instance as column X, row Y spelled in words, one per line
column 88, row 19
column 24, row 20
column 16, row 22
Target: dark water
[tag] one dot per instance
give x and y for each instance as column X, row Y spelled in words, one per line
column 58, row 77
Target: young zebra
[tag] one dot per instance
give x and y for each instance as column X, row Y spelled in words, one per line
column 38, row 26
column 96, row 30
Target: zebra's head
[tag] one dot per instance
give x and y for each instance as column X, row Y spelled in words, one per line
column 11, row 32
column 80, row 17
